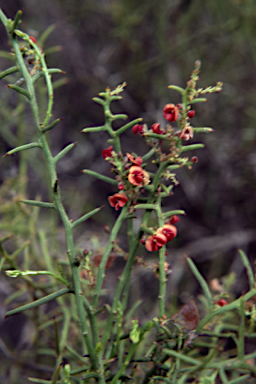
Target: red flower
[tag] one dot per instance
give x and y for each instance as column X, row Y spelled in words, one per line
column 138, row 176
column 171, row 112
column 120, row 186
column 222, row 302
column 191, row 113
column 118, row 200
column 156, row 129
column 137, row 129
column 154, row 242
column 137, row 161
column 168, row 230
column 174, row 219
column 194, row 159
column 32, row 39
column 107, row 152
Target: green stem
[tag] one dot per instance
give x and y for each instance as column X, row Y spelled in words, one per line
column 101, row 271
column 54, row 183
column 162, row 273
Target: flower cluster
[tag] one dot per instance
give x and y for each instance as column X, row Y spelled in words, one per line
column 129, row 175
column 162, row 236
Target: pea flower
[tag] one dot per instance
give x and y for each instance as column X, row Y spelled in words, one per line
column 162, row 236
column 222, row 302
column 191, row 113
column 156, row 129
column 137, row 129
column 118, row 200
column 107, row 152
column 138, row 176
column 168, row 230
column 155, row 242
column 171, row 112
column 174, row 219
column 135, row 160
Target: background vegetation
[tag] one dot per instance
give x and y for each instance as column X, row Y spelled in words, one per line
column 149, row 44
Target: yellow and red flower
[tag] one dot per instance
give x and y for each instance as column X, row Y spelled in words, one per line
column 155, row 242
column 162, row 236
column 168, row 230
column 138, row 176
column 118, row 200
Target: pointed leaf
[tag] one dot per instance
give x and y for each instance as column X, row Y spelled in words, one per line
column 86, row 217
column 9, row 71
column 40, row 204
column 38, row 302
column 22, row 91
column 22, row 148
column 64, row 152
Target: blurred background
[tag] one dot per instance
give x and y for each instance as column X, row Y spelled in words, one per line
column 150, row 44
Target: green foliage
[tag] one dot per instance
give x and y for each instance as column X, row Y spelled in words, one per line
column 89, row 340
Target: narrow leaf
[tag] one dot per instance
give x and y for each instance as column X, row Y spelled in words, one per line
column 39, row 302
column 127, row 126
column 121, row 116
column 100, row 177
column 203, row 129
column 94, row 129
column 64, row 152
column 98, row 100
column 22, row 91
column 40, row 204
column 145, row 206
column 199, row 100
column 42, row 73
column 16, row 20
column 22, row 148
column 191, row 147
column 248, row 267
column 46, row 33
column 172, row 213
column 86, row 217
column 155, row 135
column 51, row 126
column 201, row 281
column 176, row 88
column 9, row 71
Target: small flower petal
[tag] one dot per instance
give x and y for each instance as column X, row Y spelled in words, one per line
column 118, row 200
column 135, row 160
column 107, row 152
column 138, row 176
column 168, row 230
column 137, row 129
column 156, row 129
column 171, row 112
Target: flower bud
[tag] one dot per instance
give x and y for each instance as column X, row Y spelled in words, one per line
column 191, row 113
column 222, row 302
column 32, row 39
column 107, row 152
